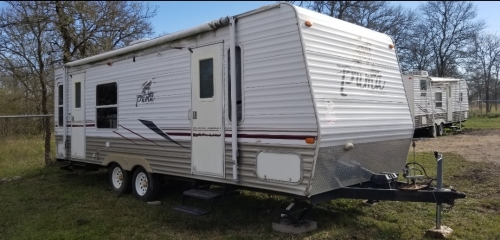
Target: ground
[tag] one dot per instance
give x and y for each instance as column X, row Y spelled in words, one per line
column 477, row 145
column 48, row 203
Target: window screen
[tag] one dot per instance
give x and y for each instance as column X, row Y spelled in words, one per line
column 239, row 90
column 106, row 105
column 207, row 78
column 439, row 99
column 78, row 95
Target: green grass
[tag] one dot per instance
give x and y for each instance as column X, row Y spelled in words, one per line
column 48, row 203
column 21, row 156
column 482, row 123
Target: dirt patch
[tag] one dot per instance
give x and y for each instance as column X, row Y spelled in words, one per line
column 474, row 145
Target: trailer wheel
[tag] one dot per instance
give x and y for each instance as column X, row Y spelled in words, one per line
column 146, row 185
column 440, row 131
column 432, row 131
column 119, row 179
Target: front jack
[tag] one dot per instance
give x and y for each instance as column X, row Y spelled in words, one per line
column 439, row 231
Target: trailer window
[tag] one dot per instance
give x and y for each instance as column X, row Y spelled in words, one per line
column 461, row 97
column 423, row 85
column 239, row 90
column 439, row 99
column 60, row 110
column 106, row 105
column 78, row 95
column 207, row 78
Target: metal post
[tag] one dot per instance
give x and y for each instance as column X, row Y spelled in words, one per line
column 439, row 159
column 234, row 118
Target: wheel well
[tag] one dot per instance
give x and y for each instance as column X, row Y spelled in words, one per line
column 127, row 162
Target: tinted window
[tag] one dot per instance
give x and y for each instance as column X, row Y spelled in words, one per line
column 60, row 117
column 106, row 109
column 207, row 78
column 78, row 95
column 106, row 94
column 239, row 91
column 107, row 117
column 423, row 85
column 60, row 95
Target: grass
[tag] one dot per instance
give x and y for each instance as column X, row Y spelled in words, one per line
column 48, row 203
column 21, row 156
column 482, row 123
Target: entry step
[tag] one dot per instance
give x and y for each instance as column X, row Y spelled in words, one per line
column 191, row 210
column 202, row 194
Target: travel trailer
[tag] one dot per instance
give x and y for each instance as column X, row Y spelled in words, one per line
column 279, row 99
column 435, row 102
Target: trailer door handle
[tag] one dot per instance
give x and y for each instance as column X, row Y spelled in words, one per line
column 195, row 115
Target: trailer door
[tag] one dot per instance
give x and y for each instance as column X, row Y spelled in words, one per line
column 78, row 116
column 207, row 129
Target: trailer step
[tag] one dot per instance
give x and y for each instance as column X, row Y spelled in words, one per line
column 67, row 167
column 191, row 210
column 202, row 194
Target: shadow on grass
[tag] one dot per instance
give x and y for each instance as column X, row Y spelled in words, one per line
column 247, row 214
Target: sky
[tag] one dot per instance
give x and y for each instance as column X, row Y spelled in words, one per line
column 175, row 16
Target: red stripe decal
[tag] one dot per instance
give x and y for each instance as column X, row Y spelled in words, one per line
column 263, row 136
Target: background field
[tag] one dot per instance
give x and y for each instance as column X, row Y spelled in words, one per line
column 48, row 203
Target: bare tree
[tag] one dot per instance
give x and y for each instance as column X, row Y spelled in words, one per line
column 92, row 27
column 486, row 56
column 451, row 25
column 35, row 34
column 23, row 52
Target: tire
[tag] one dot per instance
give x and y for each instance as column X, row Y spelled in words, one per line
column 146, row 186
column 119, row 179
column 440, row 131
column 432, row 131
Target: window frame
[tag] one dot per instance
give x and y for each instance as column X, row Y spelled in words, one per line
column 107, row 106
column 240, row 122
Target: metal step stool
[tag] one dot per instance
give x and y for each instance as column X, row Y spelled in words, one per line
column 202, row 194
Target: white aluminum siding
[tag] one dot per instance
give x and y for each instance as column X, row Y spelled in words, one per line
column 377, row 111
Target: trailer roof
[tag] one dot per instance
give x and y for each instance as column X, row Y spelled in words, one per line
column 440, row 79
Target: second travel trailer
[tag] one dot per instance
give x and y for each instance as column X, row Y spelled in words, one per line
column 435, row 102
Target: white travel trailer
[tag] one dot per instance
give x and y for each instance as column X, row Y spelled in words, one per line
column 436, row 102
column 278, row 99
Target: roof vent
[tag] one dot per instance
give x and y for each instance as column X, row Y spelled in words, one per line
column 138, row 41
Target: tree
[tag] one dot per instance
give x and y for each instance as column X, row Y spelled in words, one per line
column 486, row 56
column 36, row 34
column 451, row 25
column 23, row 50
column 88, row 28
